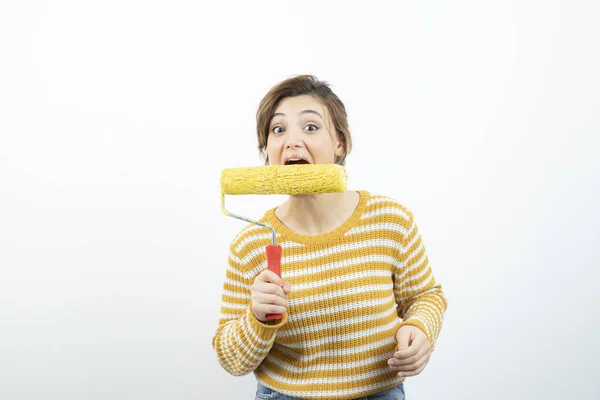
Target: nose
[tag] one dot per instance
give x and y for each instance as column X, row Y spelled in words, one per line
column 293, row 138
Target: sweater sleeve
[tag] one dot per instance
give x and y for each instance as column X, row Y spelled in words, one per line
column 420, row 299
column 241, row 341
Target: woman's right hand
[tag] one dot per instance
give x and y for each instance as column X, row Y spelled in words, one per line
column 269, row 295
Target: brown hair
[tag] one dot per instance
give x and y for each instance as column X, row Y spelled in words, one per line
column 297, row 86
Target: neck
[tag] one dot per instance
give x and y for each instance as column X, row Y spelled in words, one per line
column 315, row 214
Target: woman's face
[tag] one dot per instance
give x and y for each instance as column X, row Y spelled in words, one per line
column 301, row 131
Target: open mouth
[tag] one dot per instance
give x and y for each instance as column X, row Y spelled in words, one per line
column 296, row 161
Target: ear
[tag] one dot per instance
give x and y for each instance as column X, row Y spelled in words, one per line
column 339, row 147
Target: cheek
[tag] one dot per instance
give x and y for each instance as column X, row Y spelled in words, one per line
column 269, row 143
column 326, row 146
column 272, row 144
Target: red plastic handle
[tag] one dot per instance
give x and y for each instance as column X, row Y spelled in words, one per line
column 274, row 264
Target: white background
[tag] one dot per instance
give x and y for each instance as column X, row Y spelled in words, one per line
column 116, row 118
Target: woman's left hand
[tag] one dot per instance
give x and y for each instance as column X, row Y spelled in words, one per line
column 413, row 351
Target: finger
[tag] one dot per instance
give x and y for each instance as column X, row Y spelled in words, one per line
column 415, row 352
column 270, row 276
column 268, row 299
column 287, row 287
column 406, row 364
column 411, row 363
column 403, row 337
column 418, row 349
column 404, row 354
column 417, row 341
column 268, row 288
column 411, row 367
column 414, row 372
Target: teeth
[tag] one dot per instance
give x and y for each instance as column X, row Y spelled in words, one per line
column 295, row 160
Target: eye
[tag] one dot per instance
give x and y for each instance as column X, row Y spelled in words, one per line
column 311, row 127
column 277, row 129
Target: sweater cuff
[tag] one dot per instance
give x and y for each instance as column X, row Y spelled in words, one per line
column 264, row 330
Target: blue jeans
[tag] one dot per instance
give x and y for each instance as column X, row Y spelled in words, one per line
column 395, row 393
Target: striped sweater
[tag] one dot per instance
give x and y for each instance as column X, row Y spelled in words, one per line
column 352, row 289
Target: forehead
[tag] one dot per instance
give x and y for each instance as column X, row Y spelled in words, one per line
column 297, row 104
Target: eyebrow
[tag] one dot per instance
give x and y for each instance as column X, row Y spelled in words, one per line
column 302, row 112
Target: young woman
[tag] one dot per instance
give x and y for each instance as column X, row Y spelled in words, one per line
column 361, row 308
